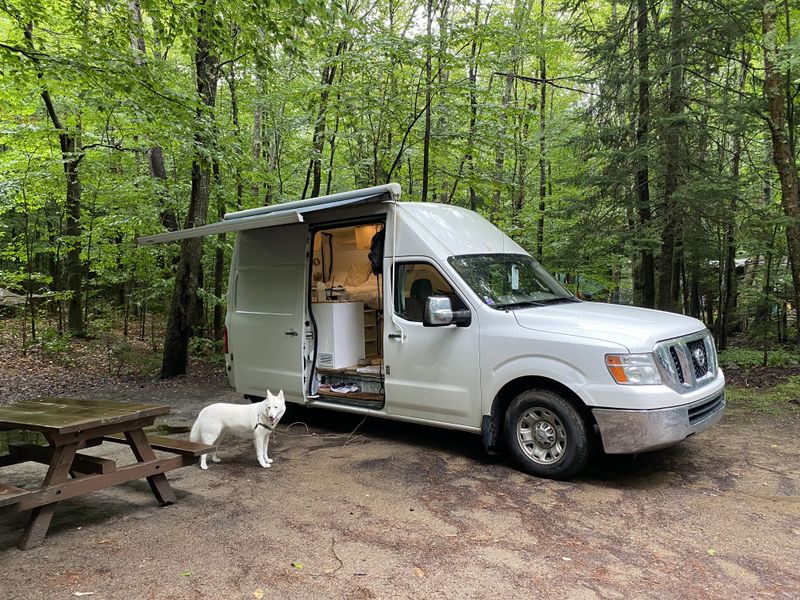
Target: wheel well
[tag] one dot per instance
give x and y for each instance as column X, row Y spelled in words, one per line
column 493, row 424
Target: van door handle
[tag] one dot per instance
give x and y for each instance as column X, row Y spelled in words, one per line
column 292, row 332
column 395, row 336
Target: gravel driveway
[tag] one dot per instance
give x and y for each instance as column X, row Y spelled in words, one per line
column 376, row 509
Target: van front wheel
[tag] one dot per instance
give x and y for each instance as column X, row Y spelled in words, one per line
column 546, row 435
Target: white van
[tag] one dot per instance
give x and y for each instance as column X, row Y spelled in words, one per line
column 428, row 313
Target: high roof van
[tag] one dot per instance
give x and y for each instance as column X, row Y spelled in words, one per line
column 428, row 313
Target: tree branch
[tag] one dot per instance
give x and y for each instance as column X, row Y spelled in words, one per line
column 31, row 54
column 549, row 82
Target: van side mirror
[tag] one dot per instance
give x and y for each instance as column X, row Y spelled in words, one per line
column 439, row 313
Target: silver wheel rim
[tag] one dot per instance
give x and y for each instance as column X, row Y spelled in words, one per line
column 541, row 435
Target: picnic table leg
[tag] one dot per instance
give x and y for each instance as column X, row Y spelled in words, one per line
column 40, row 518
column 142, row 450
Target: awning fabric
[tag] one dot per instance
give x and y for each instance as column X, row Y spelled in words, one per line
column 278, row 214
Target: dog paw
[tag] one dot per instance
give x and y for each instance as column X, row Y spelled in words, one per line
column 266, row 465
column 216, row 460
column 270, row 461
column 204, row 467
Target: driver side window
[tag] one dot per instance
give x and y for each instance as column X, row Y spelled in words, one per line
column 414, row 283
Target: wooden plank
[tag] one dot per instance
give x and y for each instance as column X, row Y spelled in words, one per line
column 93, row 483
column 168, row 444
column 57, row 473
column 82, row 436
column 11, row 495
column 82, row 463
column 144, row 452
column 66, row 415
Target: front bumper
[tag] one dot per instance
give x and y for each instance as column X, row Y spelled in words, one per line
column 633, row 431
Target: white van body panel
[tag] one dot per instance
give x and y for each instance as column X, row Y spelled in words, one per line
column 266, row 308
column 510, row 353
column 599, row 321
column 432, row 374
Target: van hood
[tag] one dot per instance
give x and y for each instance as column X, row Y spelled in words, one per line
column 638, row 329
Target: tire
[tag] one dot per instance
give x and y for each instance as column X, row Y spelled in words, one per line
column 253, row 399
column 546, row 435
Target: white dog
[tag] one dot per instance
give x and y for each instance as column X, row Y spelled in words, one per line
column 243, row 420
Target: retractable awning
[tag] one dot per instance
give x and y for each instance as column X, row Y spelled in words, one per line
column 278, row 214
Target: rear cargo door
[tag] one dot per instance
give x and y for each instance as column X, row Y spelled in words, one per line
column 266, row 318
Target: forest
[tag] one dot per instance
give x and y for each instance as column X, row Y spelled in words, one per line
column 645, row 152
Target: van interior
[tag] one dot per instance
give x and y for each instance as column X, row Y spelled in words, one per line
column 343, row 350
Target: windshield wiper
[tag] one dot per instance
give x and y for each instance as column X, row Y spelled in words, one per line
column 562, row 300
column 520, row 304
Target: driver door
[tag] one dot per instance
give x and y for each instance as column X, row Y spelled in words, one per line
column 432, row 373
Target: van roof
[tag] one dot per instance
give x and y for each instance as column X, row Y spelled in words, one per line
column 449, row 230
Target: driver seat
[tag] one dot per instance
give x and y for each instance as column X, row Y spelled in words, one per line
column 421, row 289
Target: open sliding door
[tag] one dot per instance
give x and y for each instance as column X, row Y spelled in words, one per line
column 268, row 286
column 266, row 318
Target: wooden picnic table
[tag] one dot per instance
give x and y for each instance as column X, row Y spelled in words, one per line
column 69, row 425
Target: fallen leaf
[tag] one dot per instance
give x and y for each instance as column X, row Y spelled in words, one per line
column 186, row 574
column 298, row 565
column 712, row 552
column 419, row 572
column 566, row 558
column 259, row 593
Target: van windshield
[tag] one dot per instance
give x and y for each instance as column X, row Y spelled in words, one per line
column 509, row 280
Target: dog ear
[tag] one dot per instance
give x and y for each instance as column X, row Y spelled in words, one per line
column 280, row 396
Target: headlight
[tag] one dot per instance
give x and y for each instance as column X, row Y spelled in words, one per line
column 633, row 369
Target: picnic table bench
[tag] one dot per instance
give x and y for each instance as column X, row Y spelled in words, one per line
column 70, row 425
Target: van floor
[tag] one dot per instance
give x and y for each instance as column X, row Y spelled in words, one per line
column 370, row 388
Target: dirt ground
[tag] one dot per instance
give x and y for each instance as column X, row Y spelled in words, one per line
column 374, row 509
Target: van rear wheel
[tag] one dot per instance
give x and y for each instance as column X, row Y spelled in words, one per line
column 546, row 435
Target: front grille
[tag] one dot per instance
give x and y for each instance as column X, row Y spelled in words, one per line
column 687, row 363
column 673, row 353
column 697, row 350
column 701, row 411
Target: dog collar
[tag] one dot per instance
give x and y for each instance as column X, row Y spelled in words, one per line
column 264, row 426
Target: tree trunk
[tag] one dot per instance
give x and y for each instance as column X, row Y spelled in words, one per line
column 219, row 252
column 318, row 139
column 665, row 299
column 542, row 145
column 155, row 155
column 774, row 87
column 473, row 109
column 518, row 203
column 71, row 156
column 645, row 286
column 728, row 301
column 426, row 148
column 500, row 156
column 257, row 136
column 184, row 295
